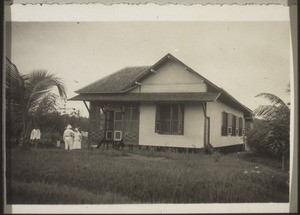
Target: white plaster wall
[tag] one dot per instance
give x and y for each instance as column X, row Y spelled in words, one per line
column 193, row 128
column 173, row 88
column 172, row 77
column 214, row 111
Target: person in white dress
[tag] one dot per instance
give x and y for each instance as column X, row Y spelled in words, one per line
column 68, row 138
column 77, row 139
column 35, row 136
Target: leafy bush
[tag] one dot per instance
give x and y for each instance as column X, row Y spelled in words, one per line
column 256, row 136
column 269, row 137
column 272, row 136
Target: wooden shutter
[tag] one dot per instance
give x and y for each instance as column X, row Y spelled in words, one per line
column 224, row 124
column 157, row 119
column 237, row 126
column 233, row 125
column 240, row 126
column 180, row 118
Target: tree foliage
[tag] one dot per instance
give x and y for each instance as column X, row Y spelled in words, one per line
column 28, row 97
column 52, row 125
column 271, row 134
column 277, row 110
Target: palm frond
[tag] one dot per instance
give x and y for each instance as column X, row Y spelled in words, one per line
column 41, row 83
column 275, row 100
column 269, row 112
column 48, row 104
column 42, row 79
column 15, row 85
column 15, row 97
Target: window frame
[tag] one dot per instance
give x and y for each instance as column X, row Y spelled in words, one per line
column 224, row 126
column 111, row 134
column 241, row 127
column 232, row 125
column 180, row 119
column 229, row 131
column 120, row 135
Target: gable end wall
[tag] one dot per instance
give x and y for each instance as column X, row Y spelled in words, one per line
column 171, row 77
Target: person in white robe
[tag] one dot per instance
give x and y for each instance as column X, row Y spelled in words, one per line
column 68, row 138
column 77, row 139
column 35, row 136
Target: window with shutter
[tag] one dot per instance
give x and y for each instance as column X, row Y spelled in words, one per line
column 224, row 123
column 169, row 119
column 237, row 124
column 240, row 126
column 233, row 125
column 180, row 118
column 229, row 124
column 157, row 119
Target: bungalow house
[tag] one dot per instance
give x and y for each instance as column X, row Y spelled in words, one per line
column 167, row 105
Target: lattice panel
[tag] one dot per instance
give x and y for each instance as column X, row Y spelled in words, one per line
column 132, row 137
column 96, row 135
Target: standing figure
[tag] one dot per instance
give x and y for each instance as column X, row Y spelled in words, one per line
column 35, row 136
column 77, row 139
column 68, row 137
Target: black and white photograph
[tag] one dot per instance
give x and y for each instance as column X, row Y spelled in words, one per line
column 131, row 112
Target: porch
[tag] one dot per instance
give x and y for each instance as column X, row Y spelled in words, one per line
column 113, row 123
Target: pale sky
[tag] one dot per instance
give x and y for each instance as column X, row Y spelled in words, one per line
column 244, row 58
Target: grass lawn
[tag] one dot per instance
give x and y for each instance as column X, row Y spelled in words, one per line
column 106, row 176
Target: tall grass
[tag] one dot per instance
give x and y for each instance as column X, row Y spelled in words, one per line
column 183, row 178
column 28, row 193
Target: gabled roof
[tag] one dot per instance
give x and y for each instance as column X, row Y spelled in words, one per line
column 125, row 79
column 128, row 78
column 115, row 82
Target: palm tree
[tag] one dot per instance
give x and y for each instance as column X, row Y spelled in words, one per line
column 277, row 114
column 15, row 92
column 28, row 96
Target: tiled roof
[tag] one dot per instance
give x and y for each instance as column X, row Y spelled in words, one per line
column 115, row 82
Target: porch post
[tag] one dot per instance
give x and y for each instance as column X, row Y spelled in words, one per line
column 89, row 130
column 204, row 113
column 88, row 109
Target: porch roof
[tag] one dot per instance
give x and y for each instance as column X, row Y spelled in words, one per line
column 135, row 97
